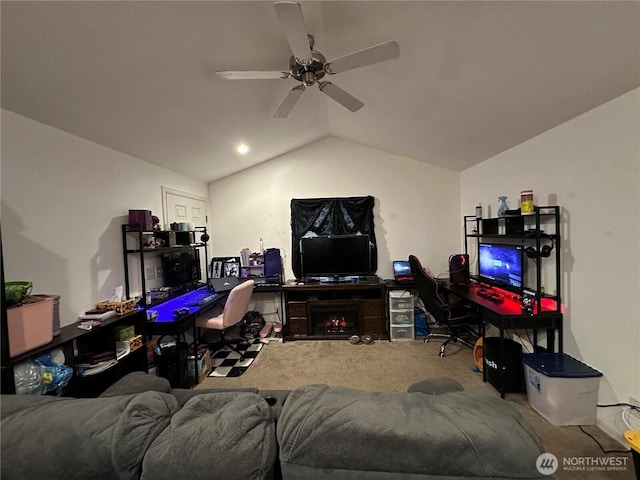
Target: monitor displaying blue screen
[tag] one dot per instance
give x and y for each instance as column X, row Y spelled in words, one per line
column 501, row 265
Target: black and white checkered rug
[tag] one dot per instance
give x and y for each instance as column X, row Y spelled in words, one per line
column 227, row 363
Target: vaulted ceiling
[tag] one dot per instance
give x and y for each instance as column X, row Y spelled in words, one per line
column 473, row 78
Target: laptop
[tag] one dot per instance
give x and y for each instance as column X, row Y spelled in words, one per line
column 402, row 272
column 224, row 284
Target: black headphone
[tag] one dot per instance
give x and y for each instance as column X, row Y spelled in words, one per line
column 545, row 250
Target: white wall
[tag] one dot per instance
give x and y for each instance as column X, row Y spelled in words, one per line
column 590, row 166
column 63, row 201
column 416, row 212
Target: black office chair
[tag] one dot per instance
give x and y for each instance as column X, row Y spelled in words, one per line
column 454, row 316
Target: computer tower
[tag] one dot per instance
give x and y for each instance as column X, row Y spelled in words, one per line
column 459, row 268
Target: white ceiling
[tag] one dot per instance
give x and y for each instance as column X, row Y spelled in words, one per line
column 473, row 78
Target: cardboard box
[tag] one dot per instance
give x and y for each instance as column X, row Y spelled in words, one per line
column 30, row 325
column 125, row 333
column 134, row 342
column 204, row 364
column 120, row 308
column 561, row 389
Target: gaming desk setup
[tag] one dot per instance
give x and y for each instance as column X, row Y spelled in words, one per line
column 497, row 294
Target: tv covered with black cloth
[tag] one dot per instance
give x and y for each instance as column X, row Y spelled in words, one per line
column 335, row 256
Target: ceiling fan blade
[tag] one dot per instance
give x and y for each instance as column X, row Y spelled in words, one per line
column 361, row 58
column 290, row 15
column 250, row 74
column 345, row 99
column 289, row 101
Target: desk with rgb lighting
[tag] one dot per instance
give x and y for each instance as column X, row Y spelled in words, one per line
column 197, row 303
column 509, row 315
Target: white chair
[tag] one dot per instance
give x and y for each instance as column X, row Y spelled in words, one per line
column 234, row 310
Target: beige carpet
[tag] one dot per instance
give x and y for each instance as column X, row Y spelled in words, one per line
column 393, row 366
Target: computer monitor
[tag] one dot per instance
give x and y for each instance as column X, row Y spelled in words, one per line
column 500, row 265
column 180, row 268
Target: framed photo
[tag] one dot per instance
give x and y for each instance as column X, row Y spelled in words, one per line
column 217, row 269
column 231, row 267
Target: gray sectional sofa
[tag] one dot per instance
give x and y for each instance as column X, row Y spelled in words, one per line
column 142, row 429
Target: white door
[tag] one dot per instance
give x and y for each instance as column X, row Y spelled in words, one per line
column 183, row 207
column 186, row 207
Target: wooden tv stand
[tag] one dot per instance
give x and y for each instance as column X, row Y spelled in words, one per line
column 328, row 311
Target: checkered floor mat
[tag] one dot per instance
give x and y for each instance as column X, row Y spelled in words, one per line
column 227, row 363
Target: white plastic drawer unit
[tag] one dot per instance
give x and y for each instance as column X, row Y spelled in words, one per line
column 402, row 333
column 400, row 300
column 401, row 318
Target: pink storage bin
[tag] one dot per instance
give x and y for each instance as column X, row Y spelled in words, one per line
column 30, row 325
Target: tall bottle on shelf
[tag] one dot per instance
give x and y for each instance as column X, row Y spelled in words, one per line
column 502, row 207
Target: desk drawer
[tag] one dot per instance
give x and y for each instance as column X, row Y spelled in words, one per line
column 371, row 308
column 297, row 326
column 297, row 309
column 374, row 325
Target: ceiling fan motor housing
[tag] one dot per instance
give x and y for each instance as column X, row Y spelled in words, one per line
column 311, row 73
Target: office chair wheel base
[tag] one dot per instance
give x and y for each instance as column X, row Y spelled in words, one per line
column 441, row 352
column 426, row 340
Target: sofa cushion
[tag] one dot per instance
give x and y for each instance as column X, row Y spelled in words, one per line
column 137, row 382
column 338, row 432
column 227, row 435
column 67, row 439
column 183, row 395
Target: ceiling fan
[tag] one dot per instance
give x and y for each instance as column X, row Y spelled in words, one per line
column 309, row 67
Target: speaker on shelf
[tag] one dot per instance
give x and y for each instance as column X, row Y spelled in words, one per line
column 459, row 268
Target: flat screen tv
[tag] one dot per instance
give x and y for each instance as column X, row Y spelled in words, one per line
column 335, row 256
column 501, row 265
column 180, row 268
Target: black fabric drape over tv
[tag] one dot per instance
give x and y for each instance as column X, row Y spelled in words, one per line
column 331, row 216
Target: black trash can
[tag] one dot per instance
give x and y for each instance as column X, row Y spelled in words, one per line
column 170, row 363
column 511, row 364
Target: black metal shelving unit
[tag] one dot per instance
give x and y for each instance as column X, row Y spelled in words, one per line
column 543, row 217
column 133, row 233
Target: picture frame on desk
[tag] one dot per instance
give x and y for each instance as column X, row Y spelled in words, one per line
column 216, row 267
column 231, row 267
column 225, row 267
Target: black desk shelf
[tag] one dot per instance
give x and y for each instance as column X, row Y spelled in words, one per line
column 134, row 236
column 538, row 229
column 544, row 222
column 74, row 342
